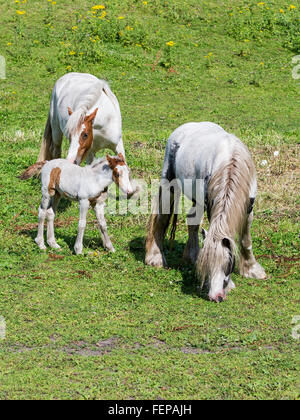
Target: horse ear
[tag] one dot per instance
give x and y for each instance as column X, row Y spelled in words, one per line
column 92, row 116
column 70, row 111
column 203, row 233
column 121, row 157
column 109, row 160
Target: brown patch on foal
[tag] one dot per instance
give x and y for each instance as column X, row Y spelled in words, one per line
column 113, row 162
column 54, row 181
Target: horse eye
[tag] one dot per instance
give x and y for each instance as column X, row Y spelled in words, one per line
column 225, row 284
column 85, row 136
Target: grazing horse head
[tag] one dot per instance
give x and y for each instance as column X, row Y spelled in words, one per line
column 120, row 172
column 81, row 140
column 217, row 262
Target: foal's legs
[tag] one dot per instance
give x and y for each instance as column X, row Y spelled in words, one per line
column 99, row 211
column 83, row 209
column 50, row 218
column 249, row 267
column 42, row 216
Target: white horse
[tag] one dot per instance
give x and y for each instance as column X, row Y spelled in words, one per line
column 86, row 111
column 88, row 185
column 204, row 151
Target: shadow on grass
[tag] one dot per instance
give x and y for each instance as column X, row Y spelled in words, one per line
column 175, row 261
column 93, row 243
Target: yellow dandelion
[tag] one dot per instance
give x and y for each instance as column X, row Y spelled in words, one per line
column 98, row 7
column 261, row 3
column 8, row 44
column 292, row 7
column 68, row 67
column 170, row 43
column 145, row 3
column 74, row 28
column 20, row 12
column 281, row 10
column 121, row 17
column 72, row 52
column 103, row 14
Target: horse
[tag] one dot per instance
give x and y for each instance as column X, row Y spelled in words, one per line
column 88, row 185
column 205, row 151
column 85, row 110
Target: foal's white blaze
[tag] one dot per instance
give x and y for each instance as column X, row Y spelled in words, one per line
column 124, row 179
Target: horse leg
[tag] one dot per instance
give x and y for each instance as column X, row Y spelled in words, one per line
column 248, row 265
column 42, row 216
column 191, row 250
column 57, row 136
column 50, row 218
column 90, row 158
column 99, row 211
column 83, row 209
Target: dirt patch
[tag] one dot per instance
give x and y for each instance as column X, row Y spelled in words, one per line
column 85, row 349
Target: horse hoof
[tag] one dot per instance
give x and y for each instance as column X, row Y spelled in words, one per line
column 54, row 245
column 40, row 244
column 155, row 261
column 255, row 272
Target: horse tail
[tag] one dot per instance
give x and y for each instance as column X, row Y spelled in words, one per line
column 45, row 151
column 173, row 230
column 106, row 89
column 33, row 170
column 157, row 226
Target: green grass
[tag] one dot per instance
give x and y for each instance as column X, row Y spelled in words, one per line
column 106, row 326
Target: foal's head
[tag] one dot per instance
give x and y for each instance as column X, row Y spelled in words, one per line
column 216, row 263
column 120, row 172
column 81, row 140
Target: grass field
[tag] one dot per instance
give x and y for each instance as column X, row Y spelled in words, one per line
column 102, row 326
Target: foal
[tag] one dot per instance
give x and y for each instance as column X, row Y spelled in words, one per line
column 86, row 184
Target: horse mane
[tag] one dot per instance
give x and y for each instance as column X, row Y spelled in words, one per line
column 97, row 162
column 227, row 201
column 76, row 120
